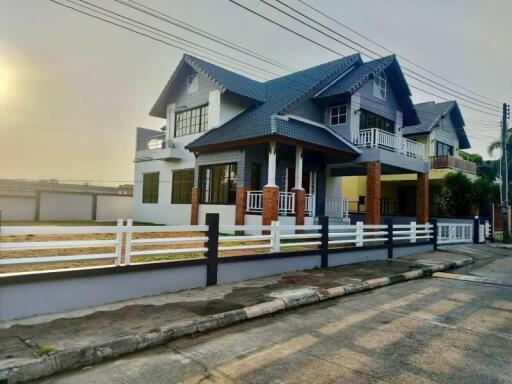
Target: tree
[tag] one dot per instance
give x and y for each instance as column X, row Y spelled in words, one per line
column 456, row 196
column 485, row 192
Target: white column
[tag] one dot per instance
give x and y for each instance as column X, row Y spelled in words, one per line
column 298, row 167
column 355, row 112
column 169, row 132
column 213, row 108
column 272, row 155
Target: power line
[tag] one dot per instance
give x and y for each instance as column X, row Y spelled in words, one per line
column 390, row 51
column 494, row 108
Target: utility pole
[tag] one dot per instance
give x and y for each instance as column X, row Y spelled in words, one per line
column 504, row 173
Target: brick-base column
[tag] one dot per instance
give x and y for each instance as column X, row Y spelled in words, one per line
column 270, row 205
column 241, row 205
column 300, row 206
column 373, row 192
column 194, row 209
column 422, row 198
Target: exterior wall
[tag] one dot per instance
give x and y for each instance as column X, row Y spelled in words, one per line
column 65, row 206
column 226, row 213
column 164, row 212
column 111, row 208
column 445, row 133
column 18, row 208
column 385, row 108
column 234, row 156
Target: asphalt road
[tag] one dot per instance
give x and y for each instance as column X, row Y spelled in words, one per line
column 424, row 331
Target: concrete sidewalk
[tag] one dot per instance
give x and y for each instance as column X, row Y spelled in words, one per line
column 43, row 345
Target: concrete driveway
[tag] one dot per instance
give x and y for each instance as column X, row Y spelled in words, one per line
column 423, row 331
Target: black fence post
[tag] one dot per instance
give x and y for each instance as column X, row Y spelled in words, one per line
column 434, row 234
column 389, row 242
column 324, row 246
column 212, row 245
column 476, row 230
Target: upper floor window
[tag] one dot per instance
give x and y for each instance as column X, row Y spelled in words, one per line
column 338, row 114
column 192, row 83
column 443, row 149
column 191, row 121
column 379, row 86
column 150, row 184
column 371, row 120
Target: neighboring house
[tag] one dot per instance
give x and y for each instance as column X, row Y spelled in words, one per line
column 442, row 133
column 262, row 151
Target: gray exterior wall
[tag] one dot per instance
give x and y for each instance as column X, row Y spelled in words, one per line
column 185, row 100
column 385, row 108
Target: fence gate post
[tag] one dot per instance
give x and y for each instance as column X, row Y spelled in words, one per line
column 324, row 246
column 476, row 230
column 212, row 245
column 434, row 234
column 389, row 242
column 413, row 231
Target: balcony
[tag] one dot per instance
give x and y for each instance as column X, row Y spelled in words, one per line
column 377, row 138
column 286, row 203
column 450, row 162
column 156, row 148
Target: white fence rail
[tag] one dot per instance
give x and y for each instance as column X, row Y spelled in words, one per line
column 132, row 243
column 310, row 204
column 377, row 138
column 336, row 208
column 286, row 202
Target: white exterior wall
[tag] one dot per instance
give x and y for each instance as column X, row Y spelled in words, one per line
column 111, row 208
column 65, row 206
column 18, row 208
column 226, row 213
column 221, row 107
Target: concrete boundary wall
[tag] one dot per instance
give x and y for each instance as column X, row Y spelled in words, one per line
column 55, row 206
column 39, row 293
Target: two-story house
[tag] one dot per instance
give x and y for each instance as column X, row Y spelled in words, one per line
column 255, row 152
column 441, row 131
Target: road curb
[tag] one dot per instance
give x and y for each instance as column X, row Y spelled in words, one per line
column 73, row 358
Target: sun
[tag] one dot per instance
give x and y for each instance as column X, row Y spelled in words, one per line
column 4, row 83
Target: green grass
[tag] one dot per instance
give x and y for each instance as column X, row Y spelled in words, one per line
column 43, row 351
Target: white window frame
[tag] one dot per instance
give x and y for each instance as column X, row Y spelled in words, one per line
column 380, row 85
column 192, row 83
column 339, row 115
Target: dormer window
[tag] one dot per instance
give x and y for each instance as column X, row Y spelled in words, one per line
column 379, row 86
column 338, row 114
column 192, row 83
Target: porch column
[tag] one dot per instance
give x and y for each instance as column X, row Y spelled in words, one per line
column 270, row 208
column 422, row 198
column 194, row 206
column 300, row 193
column 373, row 192
column 241, row 205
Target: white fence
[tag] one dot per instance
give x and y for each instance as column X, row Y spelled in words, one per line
column 451, row 233
column 377, row 138
column 286, row 202
column 129, row 240
column 336, row 208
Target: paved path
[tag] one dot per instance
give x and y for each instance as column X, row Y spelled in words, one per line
column 428, row 330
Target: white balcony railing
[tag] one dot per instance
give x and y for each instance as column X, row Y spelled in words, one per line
column 336, row 208
column 152, row 142
column 310, row 204
column 377, row 138
column 286, row 202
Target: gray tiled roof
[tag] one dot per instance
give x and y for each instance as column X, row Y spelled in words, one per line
column 430, row 113
column 227, row 80
column 357, row 77
column 280, row 95
column 311, row 134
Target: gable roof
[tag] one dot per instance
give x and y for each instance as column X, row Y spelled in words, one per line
column 431, row 113
column 281, row 94
column 356, row 78
column 224, row 79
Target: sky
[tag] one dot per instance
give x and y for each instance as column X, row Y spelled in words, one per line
column 73, row 89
